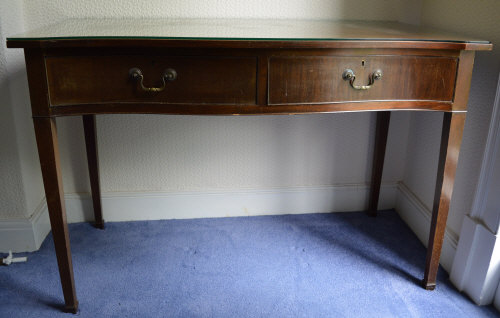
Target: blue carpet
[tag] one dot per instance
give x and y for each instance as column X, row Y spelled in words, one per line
column 313, row 265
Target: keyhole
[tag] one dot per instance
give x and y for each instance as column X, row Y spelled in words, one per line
column 362, row 62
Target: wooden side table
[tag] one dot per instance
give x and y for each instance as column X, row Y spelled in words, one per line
column 228, row 67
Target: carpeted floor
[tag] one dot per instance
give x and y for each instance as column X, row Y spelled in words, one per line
column 313, row 265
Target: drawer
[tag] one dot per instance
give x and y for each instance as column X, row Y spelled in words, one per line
column 319, row 79
column 107, row 79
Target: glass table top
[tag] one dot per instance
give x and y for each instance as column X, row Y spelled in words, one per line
column 238, row 29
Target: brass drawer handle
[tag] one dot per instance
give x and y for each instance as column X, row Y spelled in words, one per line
column 349, row 75
column 136, row 74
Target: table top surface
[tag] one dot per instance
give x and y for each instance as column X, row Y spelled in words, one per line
column 239, row 29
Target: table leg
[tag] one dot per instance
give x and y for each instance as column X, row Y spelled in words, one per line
column 48, row 150
column 381, row 131
column 89, row 128
column 451, row 138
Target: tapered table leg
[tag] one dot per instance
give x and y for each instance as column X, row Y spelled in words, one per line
column 46, row 138
column 381, row 131
column 451, row 138
column 89, row 128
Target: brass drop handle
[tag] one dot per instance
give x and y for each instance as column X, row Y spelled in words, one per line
column 349, row 75
column 136, row 74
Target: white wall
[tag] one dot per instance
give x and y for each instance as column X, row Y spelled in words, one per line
column 21, row 187
column 145, row 154
column 12, row 201
column 42, row 12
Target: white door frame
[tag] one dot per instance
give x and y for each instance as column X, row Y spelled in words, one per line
column 476, row 266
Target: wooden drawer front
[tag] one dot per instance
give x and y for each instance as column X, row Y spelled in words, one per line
column 318, row 79
column 106, row 79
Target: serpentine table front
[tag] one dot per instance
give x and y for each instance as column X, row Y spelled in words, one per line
column 235, row 67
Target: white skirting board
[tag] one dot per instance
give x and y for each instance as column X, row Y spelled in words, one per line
column 27, row 235
column 475, row 271
column 418, row 218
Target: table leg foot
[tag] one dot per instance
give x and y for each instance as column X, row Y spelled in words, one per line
column 100, row 225
column 71, row 308
column 428, row 285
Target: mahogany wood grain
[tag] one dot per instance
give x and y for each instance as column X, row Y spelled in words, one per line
column 241, row 52
column 248, row 44
column 200, row 80
column 262, row 79
column 89, row 128
column 451, row 139
column 193, row 109
column 381, row 132
column 314, row 79
column 48, row 151
column 132, row 101
column 37, row 81
column 464, row 77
